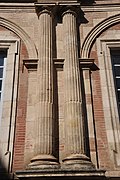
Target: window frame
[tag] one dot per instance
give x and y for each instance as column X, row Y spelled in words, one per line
column 9, row 100
column 116, row 76
column 3, row 81
column 110, row 107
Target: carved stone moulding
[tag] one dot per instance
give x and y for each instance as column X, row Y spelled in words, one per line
column 88, row 63
column 18, row 1
column 57, row 1
column 39, row 1
column 67, row 174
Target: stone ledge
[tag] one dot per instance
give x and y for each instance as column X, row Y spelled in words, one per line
column 30, row 64
column 88, row 64
column 18, row 1
column 61, row 173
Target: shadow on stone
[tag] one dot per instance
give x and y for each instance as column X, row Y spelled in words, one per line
column 86, row 2
column 3, row 172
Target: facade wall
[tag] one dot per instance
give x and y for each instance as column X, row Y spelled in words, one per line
column 98, row 31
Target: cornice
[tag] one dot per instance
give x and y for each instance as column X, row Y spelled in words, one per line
column 60, row 3
column 31, row 7
column 58, row 8
column 39, row 1
column 101, row 7
column 17, row 7
column 86, row 8
column 17, row 1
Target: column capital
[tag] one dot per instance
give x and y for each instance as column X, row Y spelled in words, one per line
column 73, row 9
column 61, row 7
column 45, row 8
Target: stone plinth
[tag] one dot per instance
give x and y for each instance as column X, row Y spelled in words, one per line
column 61, row 174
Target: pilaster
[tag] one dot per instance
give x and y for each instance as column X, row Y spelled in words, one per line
column 87, row 66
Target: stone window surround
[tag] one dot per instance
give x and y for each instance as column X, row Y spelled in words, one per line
column 110, row 108
column 7, row 125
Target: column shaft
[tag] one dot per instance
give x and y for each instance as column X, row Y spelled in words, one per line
column 45, row 83
column 44, row 142
column 75, row 148
column 73, row 113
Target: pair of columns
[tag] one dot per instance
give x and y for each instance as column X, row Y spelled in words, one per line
column 74, row 125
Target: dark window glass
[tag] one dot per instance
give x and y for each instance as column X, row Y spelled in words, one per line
column 117, row 70
column 0, row 85
column 118, row 83
column 118, row 92
column 1, row 61
column 115, row 57
column 1, row 72
column 3, row 55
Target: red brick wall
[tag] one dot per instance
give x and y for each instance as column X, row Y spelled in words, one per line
column 102, row 143
column 18, row 162
column 18, row 158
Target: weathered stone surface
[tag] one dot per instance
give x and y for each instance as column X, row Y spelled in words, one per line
column 44, row 125
column 34, row 98
column 62, row 174
column 74, row 122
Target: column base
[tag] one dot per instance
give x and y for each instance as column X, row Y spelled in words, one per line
column 43, row 162
column 60, row 174
column 78, row 161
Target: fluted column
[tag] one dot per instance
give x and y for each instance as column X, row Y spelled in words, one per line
column 74, row 125
column 44, row 125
